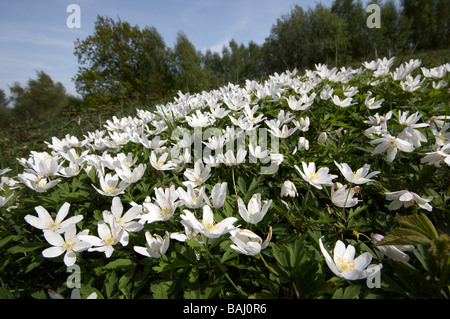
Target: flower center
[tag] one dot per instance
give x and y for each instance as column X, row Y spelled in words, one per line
column 344, row 264
column 210, row 226
column 41, row 183
column 109, row 240
column 110, row 189
column 356, row 175
column 54, row 225
column 313, row 176
column 68, row 245
column 164, row 211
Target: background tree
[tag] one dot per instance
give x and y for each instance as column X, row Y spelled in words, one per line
column 285, row 47
column 442, row 35
column 327, row 36
column 213, row 68
column 121, row 63
column 5, row 112
column 189, row 74
column 40, row 98
column 354, row 17
column 422, row 15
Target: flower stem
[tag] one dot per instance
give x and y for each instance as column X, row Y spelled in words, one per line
column 296, row 290
column 270, row 270
column 305, row 201
column 219, row 265
column 345, row 203
column 234, row 182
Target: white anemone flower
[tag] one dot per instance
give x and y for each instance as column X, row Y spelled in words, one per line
column 345, row 265
column 4, row 200
column 283, row 131
column 407, row 199
column 157, row 246
column 69, row 244
column 131, row 176
column 316, row 179
column 189, row 233
column 361, row 176
column 161, row 163
column 218, row 195
column 395, row 252
column 208, row 226
column 303, row 143
column 164, row 207
column 38, row 183
column 111, row 185
column 255, row 210
column 302, row 124
column 247, row 242
column 109, row 234
column 342, row 103
column 288, row 189
column 72, row 170
column 341, row 196
column 322, row 138
column 200, row 119
column 230, row 159
column 436, row 158
column 371, row 104
column 192, row 198
column 411, row 84
column 46, row 166
column 392, row 145
column 301, row 104
column 198, row 175
column 45, row 222
column 126, row 221
column 257, row 151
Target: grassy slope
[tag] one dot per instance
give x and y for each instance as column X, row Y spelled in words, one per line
column 21, row 137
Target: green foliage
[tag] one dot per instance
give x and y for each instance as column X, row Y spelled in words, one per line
column 39, row 99
column 121, row 63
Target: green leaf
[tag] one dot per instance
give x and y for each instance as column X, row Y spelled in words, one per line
column 120, row 263
column 404, row 236
column 355, row 212
column 5, row 240
column 419, row 223
column 124, row 285
column 25, row 247
column 5, row 293
column 160, row 289
column 351, row 292
column 441, row 247
column 110, row 284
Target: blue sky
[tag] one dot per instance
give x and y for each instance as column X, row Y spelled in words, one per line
column 34, row 35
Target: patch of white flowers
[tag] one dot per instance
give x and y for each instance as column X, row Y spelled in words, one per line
column 240, row 112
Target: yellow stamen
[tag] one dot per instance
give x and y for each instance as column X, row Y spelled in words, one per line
column 344, row 264
column 313, row 176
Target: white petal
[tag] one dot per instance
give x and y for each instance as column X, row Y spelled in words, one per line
column 406, row 197
column 62, row 213
column 142, row 250
column 363, row 260
column 329, row 260
column 43, row 214
column 339, row 249
column 70, row 258
column 116, row 207
column 53, row 238
column 52, row 252
column 35, row 222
